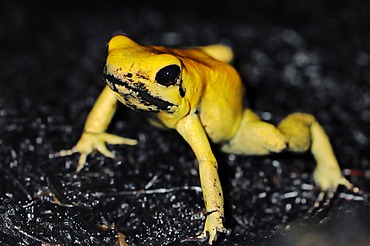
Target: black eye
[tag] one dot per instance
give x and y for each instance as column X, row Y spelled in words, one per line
column 168, row 75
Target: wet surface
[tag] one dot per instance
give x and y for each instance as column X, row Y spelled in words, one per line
column 311, row 57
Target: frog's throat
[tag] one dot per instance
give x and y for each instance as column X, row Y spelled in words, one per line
column 142, row 93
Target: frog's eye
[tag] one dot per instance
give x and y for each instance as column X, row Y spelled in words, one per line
column 168, row 75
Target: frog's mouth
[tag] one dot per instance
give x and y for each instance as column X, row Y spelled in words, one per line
column 137, row 96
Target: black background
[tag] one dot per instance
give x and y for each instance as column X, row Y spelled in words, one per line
column 310, row 56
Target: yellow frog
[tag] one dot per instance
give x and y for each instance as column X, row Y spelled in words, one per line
column 197, row 92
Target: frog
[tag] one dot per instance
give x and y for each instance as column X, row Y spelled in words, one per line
column 198, row 93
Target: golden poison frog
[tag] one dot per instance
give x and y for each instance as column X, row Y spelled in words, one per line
column 199, row 94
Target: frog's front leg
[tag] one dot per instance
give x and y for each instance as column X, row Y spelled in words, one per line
column 94, row 135
column 193, row 132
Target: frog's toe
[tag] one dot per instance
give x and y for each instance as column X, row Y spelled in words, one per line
column 325, row 197
column 103, row 150
column 349, row 186
column 322, row 201
column 114, row 139
column 201, row 238
column 63, row 152
column 81, row 162
column 213, row 227
column 204, row 237
column 208, row 234
column 99, row 146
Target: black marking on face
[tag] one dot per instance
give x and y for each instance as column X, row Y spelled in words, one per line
column 140, row 76
column 182, row 91
column 133, row 106
column 112, row 86
column 142, row 94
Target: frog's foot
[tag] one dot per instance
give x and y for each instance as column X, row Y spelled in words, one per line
column 213, row 226
column 329, row 178
column 91, row 141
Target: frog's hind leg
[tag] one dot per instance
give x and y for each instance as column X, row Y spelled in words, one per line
column 298, row 132
column 255, row 137
column 304, row 132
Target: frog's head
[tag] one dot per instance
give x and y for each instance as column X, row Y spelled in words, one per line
column 143, row 78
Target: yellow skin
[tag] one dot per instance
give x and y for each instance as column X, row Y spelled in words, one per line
column 197, row 92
